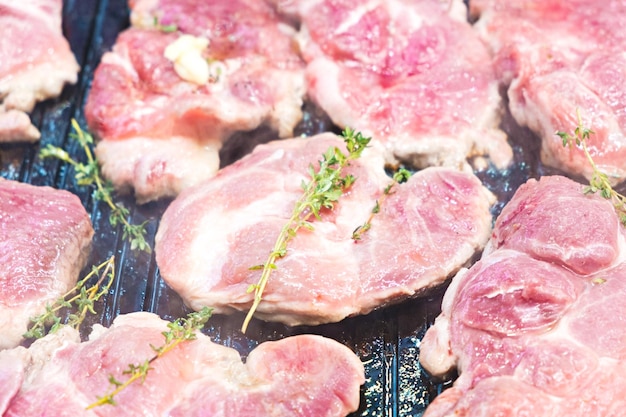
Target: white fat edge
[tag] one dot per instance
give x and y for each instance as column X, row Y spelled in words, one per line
column 432, row 150
column 288, row 111
column 21, row 97
column 97, row 331
column 22, row 91
column 328, row 91
column 40, row 354
column 485, row 133
column 451, row 292
column 490, row 118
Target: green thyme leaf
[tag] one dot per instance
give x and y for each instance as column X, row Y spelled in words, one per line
column 399, row 177
column 88, row 174
column 180, row 331
column 324, row 189
column 81, row 298
column 599, row 181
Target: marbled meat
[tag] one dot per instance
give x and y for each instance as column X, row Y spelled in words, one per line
column 557, row 58
column 35, row 63
column 58, row 375
column 410, row 73
column 45, row 238
column 160, row 129
column 211, row 235
column 536, row 327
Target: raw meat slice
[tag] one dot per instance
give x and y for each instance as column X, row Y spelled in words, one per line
column 150, row 119
column 302, row 375
column 45, row 238
column 412, row 74
column 557, row 58
column 536, row 327
column 32, row 68
column 211, row 235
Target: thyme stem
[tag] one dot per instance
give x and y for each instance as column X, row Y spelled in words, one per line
column 402, row 175
column 83, row 299
column 322, row 191
column 599, row 181
column 89, row 174
column 181, row 330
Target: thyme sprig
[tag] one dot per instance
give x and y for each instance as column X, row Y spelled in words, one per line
column 400, row 176
column 164, row 28
column 180, row 331
column 88, row 174
column 599, row 181
column 81, row 297
column 323, row 190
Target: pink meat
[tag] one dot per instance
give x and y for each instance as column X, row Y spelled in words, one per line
column 211, row 235
column 557, row 58
column 410, row 73
column 45, row 237
column 303, row 375
column 536, row 326
column 584, row 239
column 159, row 133
column 35, row 63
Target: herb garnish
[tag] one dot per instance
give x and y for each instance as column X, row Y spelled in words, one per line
column 89, row 174
column 80, row 296
column 180, row 331
column 322, row 191
column 164, row 28
column 599, row 181
column 402, row 175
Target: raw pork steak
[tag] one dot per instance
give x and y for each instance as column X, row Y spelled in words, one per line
column 211, row 235
column 410, row 73
column 297, row 376
column 161, row 132
column 537, row 326
column 559, row 57
column 45, row 237
column 35, row 63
